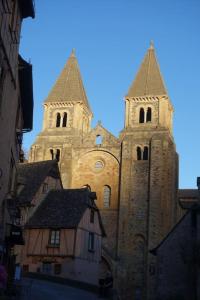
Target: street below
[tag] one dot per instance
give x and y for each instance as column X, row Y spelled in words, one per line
column 34, row 289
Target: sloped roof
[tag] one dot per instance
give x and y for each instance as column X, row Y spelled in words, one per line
column 194, row 208
column 148, row 80
column 63, row 209
column 32, row 175
column 69, row 85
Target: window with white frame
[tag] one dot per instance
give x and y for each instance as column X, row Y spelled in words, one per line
column 54, row 238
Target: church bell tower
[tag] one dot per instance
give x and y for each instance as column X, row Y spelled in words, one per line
column 67, row 118
column 148, row 177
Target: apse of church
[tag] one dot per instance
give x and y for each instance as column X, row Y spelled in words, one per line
column 134, row 176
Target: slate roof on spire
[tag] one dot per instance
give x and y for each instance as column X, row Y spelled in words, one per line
column 69, row 85
column 148, row 80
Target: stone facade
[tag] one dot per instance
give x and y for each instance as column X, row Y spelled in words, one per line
column 15, row 102
column 134, row 176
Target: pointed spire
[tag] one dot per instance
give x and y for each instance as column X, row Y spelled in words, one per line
column 148, row 80
column 151, row 45
column 69, row 85
column 73, row 54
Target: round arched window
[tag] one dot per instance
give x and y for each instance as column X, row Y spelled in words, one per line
column 98, row 165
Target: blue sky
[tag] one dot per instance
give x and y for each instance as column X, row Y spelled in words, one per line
column 111, row 38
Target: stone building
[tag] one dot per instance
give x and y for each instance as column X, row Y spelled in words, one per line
column 178, row 271
column 16, row 103
column 134, row 175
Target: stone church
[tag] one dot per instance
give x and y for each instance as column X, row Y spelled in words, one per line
column 134, row 175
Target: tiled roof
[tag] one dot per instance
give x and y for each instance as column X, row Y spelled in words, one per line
column 148, row 80
column 62, row 209
column 32, row 175
column 69, row 85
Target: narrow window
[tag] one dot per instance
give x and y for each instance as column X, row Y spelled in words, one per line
column 52, row 155
column 58, row 154
column 54, row 238
column 45, row 188
column 91, row 216
column 64, row 120
column 141, row 117
column 149, row 114
column 106, row 196
column 98, row 139
column 145, row 153
column 58, row 118
column 139, row 153
column 91, row 241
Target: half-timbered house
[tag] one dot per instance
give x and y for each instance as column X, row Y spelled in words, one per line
column 64, row 236
column 35, row 180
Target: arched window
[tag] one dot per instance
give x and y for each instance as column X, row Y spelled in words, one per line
column 106, row 196
column 58, row 120
column 149, row 114
column 58, row 154
column 145, row 153
column 51, row 153
column 64, row 120
column 98, row 165
column 86, row 186
column 139, row 153
column 98, row 139
column 141, row 117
